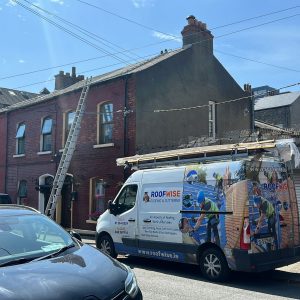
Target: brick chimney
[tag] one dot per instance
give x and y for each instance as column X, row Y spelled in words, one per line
column 196, row 33
column 63, row 81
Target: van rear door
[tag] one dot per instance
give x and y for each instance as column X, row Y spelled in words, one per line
column 273, row 212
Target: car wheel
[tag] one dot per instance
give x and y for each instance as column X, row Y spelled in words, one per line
column 106, row 245
column 213, row 265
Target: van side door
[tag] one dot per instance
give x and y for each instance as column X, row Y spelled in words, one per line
column 124, row 211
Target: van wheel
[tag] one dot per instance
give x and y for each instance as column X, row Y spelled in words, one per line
column 213, row 265
column 106, row 245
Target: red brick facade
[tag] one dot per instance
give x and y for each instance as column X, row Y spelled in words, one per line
column 3, row 137
column 89, row 160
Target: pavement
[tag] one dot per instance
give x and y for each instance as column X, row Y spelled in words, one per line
column 289, row 274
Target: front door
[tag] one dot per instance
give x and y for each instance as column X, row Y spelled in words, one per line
column 125, row 220
column 66, row 198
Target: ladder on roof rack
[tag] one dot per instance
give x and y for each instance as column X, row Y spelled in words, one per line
column 196, row 154
column 67, row 154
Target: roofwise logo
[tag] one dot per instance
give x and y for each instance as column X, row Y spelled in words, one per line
column 166, row 194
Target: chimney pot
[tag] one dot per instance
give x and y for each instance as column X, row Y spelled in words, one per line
column 197, row 33
column 191, row 19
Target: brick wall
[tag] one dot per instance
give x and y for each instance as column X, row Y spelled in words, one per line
column 88, row 161
column 3, row 136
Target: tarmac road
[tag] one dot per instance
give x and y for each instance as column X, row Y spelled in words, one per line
column 168, row 280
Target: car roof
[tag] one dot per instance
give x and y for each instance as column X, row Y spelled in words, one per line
column 16, row 209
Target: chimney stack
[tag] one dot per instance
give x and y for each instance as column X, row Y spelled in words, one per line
column 63, row 81
column 196, row 33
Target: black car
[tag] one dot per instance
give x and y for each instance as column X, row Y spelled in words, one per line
column 40, row 260
column 5, row 199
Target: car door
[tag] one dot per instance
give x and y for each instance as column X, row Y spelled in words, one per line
column 125, row 220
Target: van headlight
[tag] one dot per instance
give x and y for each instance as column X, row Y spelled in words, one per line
column 131, row 286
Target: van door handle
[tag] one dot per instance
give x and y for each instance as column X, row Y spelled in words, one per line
column 147, row 221
column 131, row 220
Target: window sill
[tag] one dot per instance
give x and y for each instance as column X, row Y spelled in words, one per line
column 103, row 145
column 91, row 222
column 44, row 152
column 18, row 155
column 61, row 150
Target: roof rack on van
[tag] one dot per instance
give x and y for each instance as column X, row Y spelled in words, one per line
column 196, row 154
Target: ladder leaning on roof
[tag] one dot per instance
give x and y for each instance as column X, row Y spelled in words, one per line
column 68, row 151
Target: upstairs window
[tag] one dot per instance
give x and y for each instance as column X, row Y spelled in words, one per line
column 20, row 136
column 46, row 135
column 70, row 116
column 106, row 124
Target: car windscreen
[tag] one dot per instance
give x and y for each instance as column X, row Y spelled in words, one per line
column 30, row 236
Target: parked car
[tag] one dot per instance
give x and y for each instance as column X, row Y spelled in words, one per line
column 5, row 199
column 40, row 260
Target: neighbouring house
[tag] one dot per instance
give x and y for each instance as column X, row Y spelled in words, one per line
column 280, row 110
column 129, row 111
column 11, row 96
column 263, row 91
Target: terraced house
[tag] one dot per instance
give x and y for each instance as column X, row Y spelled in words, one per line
column 129, row 111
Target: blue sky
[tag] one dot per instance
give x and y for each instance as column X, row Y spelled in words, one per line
column 30, row 43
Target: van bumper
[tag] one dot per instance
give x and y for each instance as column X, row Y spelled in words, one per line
column 259, row 262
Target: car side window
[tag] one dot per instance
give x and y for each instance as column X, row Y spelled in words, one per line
column 126, row 199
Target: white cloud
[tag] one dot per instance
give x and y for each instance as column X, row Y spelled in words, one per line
column 163, row 36
column 21, row 17
column 61, row 2
column 142, row 3
column 21, row 61
column 11, row 3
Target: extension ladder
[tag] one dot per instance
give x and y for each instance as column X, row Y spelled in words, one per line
column 67, row 152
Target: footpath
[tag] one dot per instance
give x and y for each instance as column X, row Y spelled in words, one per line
column 290, row 274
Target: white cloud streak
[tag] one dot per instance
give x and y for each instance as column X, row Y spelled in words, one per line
column 60, row 2
column 142, row 3
column 163, row 36
column 11, row 3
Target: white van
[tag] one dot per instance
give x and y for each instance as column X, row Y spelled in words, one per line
column 228, row 215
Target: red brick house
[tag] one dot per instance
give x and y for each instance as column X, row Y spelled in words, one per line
column 119, row 121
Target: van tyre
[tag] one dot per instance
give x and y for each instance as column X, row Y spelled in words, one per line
column 106, row 245
column 213, row 265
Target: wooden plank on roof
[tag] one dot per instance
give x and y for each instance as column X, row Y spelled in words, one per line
column 179, row 153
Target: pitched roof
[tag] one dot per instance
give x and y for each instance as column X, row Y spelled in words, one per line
column 134, row 68
column 276, row 101
column 10, row 96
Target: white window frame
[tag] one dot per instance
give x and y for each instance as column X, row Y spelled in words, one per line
column 100, row 124
column 43, row 134
column 20, row 137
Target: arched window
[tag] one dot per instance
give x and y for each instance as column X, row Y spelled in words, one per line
column 20, row 136
column 106, row 124
column 46, row 135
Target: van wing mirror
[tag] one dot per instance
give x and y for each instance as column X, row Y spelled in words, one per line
column 112, row 207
